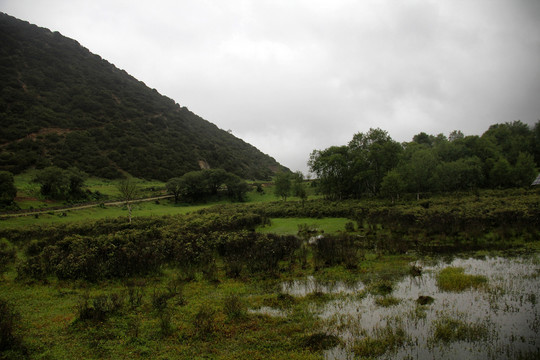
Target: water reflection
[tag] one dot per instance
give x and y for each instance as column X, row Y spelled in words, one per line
column 508, row 309
column 310, row 285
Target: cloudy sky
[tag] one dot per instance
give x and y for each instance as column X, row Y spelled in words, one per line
column 291, row 76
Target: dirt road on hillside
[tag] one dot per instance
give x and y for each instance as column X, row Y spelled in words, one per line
column 83, row 206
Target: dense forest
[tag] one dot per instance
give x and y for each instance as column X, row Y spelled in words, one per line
column 372, row 164
column 64, row 106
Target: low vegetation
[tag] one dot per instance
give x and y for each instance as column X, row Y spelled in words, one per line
column 455, row 279
column 204, row 283
column 384, row 340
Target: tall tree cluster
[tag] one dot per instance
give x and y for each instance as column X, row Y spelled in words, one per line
column 198, row 186
column 373, row 164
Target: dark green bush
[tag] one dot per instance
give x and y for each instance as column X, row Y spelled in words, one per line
column 233, row 307
column 135, row 293
column 7, row 255
column 330, row 250
column 204, row 322
column 99, row 308
column 10, row 319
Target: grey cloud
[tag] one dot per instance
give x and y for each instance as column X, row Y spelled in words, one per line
column 290, row 77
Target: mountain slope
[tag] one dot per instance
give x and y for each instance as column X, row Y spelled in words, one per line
column 62, row 105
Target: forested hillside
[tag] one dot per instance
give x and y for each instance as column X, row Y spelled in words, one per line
column 506, row 155
column 62, row 105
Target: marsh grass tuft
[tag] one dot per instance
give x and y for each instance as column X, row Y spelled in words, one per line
column 449, row 330
column 381, row 287
column 387, row 339
column 415, row 270
column 234, row 308
column 204, row 321
column 320, row 341
column 424, row 300
column 387, row 301
column 455, row 279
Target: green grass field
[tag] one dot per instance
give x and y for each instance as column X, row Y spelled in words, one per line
column 289, row 226
column 28, row 197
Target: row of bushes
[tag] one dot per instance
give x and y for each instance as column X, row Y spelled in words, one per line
column 196, row 242
column 142, row 252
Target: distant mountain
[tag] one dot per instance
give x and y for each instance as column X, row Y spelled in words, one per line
column 62, row 105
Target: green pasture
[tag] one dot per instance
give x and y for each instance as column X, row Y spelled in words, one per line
column 151, row 208
column 30, row 198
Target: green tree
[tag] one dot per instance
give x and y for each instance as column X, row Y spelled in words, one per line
column 298, row 188
column 60, row 184
column 419, row 169
column 511, row 138
column 536, row 143
column 501, row 174
column 462, row 174
column 54, row 182
column 236, row 187
column 282, row 185
column 333, row 167
column 129, row 190
column 194, row 186
column 174, row 186
column 524, row 170
column 423, row 138
column 392, row 185
column 215, row 178
column 456, row 135
column 76, row 180
column 8, row 191
column 373, row 154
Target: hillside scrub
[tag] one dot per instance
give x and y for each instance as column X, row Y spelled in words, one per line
column 84, row 112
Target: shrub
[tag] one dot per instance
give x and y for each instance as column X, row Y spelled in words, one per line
column 159, row 300
column 233, row 307
column 100, row 307
column 175, row 287
column 135, row 294
column 330, row 250
column 204, row 321
column 165, row 323
column 7, row 255
column 9, row 327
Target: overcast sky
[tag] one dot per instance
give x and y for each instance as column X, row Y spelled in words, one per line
column 291, row 76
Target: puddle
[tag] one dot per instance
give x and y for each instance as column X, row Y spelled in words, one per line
column 508, row 311
column 267, row 310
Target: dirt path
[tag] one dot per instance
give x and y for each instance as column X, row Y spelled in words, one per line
column 80, row 207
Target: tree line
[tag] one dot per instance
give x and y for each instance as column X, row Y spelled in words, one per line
column 373, row 164
column 197, row 186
